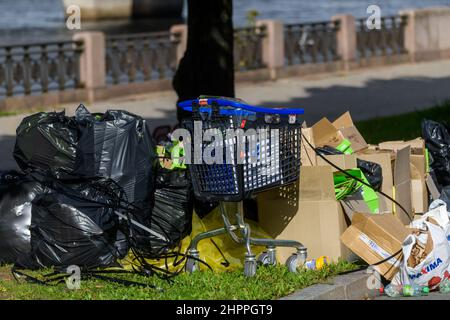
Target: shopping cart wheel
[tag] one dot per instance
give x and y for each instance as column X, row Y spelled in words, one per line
column 267, row 259
column 191, row 265
column 250, row 266
column 292, row 263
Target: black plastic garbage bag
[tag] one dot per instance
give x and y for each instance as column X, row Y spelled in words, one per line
column 445, row 196
column 16, row 195
column 115, row 145
column 203, row 207
column 119, row 146
column 171, row 216
column 371, row 170
column 47, row 140
column 74, row 225
column 437, row 140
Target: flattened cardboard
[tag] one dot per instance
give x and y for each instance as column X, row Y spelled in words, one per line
column 417, row 151
column 326, row 134
column 355, row 203
column 348, row 129
column 419, row 196
column 343, row 161
column 417, row 145
column 343, row 121
column 402, row 184
column 307, row 155
column 316, row 183
column 432, row 188
column 371, row 235
column 419, row 192
column 383, row 158
column 352, row 134
column 401, row 169
column 416, row 173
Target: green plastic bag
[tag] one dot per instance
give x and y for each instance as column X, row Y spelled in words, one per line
column 345, row 186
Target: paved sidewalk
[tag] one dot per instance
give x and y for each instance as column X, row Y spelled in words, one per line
column 351, row 286
column 431, row 296
column 366, row 93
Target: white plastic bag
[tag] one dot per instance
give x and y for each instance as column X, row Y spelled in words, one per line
column 438, row 212
column 433, row 265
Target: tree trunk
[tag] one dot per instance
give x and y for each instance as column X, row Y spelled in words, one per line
column 207, row 66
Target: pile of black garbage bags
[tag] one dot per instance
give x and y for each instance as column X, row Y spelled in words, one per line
column 89, row 190
column 437, row 140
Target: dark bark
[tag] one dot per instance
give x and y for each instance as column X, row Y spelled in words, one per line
column 207, row 66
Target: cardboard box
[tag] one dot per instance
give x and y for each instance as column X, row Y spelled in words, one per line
column 419, row 195
column 418, row 169
column 307, row 155
column 401, row 178
column 355, row 203
column 340, row 160
column 332, row 134
column 375, row 238
column 348, row 129
column 326, row 134
column 384, row 159
column 396, row 172
column 432, row 188
column 307, row 212
column 402, row 186
column 417, row 145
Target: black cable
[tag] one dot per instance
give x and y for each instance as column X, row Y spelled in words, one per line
column 355, row 178
column 15, row 271
column 124, row 282
column 368, row 185
column 115, row 201
column 226, row 263
column 374, row 264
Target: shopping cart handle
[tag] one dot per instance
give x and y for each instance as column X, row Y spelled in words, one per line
column 187, row 106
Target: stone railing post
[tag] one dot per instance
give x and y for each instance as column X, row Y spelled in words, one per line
column 183, row 31
column 346, row 38
column 273, row 46
column 427, row 34
column 92, row 62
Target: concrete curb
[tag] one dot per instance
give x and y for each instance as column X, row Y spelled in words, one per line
column 351, row 286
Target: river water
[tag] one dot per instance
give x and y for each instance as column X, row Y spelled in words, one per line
column 22, row 20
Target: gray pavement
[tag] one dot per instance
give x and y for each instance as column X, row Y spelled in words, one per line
column 431, row 296
column 367, row 93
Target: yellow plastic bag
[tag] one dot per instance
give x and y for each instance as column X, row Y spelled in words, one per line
column 221, row 253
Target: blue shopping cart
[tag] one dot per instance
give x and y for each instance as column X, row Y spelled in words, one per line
column 248, row 149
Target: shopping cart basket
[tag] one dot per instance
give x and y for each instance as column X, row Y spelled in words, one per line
column 239, row 150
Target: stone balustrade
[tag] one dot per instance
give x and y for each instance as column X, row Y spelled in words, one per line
column 93, row 66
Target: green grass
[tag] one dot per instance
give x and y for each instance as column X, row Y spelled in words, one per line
column 269, row 283
column 8, row 113
column 401, row 127
column 22, row 111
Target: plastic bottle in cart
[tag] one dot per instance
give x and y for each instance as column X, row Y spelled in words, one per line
column 415, row 290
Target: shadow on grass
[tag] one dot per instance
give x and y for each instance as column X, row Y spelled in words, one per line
column 375, row 98
column 404, row 126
